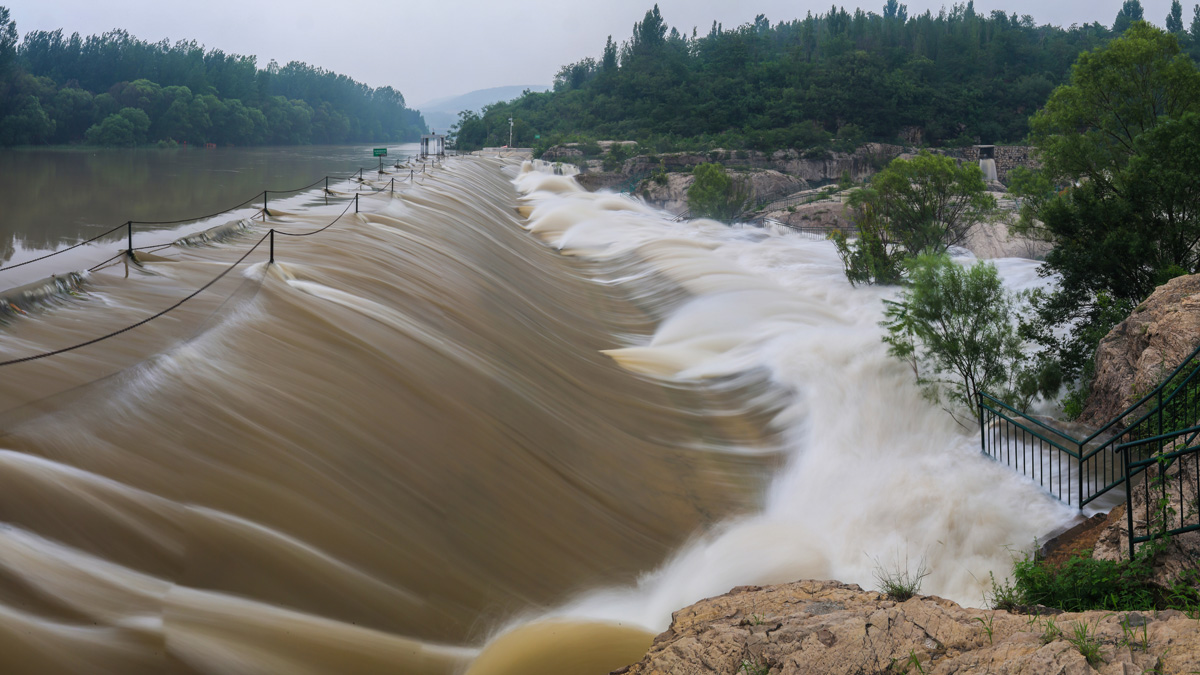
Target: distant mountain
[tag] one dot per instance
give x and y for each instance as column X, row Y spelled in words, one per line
column 440, row 114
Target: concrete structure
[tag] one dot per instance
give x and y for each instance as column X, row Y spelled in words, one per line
column 1007, row 157
column 433, row 145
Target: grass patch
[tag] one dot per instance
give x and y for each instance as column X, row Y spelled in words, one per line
column 1084, row 639
column 1081, row 583
column 900, row 583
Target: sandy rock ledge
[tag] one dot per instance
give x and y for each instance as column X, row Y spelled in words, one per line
column 832, row 628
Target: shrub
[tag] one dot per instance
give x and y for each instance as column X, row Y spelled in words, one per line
column 715, row 194
column 898, row 582
column 928, row 203
column 954, row 326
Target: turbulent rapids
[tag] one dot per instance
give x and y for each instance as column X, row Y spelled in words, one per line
column 492, row 423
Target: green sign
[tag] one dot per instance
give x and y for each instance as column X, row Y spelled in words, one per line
column 380, row 152
column 537, row 136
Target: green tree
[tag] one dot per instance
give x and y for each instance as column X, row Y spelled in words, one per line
column 924, row 204
column 1130, row 13
column 608, row 62
column 112, row 131
column 28, row 124
column 869, row 258
column 715, row 194
column 1117, row 195
column 955, row 328
column 8, row 40
column 126, row 128
column 73, row 110
column 1175, row 18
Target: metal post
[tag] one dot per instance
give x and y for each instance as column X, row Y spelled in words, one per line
column 979, row 405
column 1128, row 502
column 410, row 175
column 272, row 245
column 356, row 203
column 264, row 206
column 1079, row 447
column 393, row 184
column 129, row 227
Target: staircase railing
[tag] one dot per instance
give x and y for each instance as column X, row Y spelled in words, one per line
column 634, row 181
column 1169, row 497
column 1079, row 470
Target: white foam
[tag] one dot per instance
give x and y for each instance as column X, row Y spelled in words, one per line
column 875, row 473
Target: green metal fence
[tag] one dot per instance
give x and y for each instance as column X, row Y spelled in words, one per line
column 1169, row 496
column 1078, row 470
column 630, row 186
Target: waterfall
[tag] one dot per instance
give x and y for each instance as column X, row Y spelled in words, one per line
column 988, row 166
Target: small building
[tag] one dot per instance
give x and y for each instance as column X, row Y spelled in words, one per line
column 433, row 145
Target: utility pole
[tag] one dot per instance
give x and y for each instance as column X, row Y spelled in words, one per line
column 510, row 130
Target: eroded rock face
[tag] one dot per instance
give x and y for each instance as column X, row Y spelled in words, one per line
column 1136, row 355
column 832, row 628
column 672, row 195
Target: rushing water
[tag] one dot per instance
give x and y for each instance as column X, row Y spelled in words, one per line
column 491, row 423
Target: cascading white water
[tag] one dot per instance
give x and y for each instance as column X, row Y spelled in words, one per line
column 988, row 166
column 876, row 475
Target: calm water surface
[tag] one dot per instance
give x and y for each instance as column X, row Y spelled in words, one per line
column 53, row 198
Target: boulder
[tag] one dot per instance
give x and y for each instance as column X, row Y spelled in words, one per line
column 1143, row 349
column 833, row 628
column 562, row 153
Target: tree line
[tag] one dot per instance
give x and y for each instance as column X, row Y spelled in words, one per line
column 114, row 89
column 956, row 76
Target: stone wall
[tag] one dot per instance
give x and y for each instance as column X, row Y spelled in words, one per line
column 1008, row 157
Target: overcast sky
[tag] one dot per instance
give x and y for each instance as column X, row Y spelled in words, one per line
column 429, row 50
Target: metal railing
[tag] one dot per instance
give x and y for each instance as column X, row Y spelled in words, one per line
column 1160, row 517
column 820, row 232
column 1079, row 470
column 630, row 186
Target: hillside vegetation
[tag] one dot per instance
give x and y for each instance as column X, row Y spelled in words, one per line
column 957, row 76
column 114, row 89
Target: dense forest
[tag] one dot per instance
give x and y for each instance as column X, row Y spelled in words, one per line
column 828, row 80
column 114, row 89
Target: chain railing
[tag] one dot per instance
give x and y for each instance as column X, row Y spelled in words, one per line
column 268, row 237
column 1079, row 470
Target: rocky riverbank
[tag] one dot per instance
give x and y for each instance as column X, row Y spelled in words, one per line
column 829, row 627
column 832, row 628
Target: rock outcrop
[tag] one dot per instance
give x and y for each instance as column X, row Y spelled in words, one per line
column 831, row 628
column 1136, row 355
column 815, row 166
